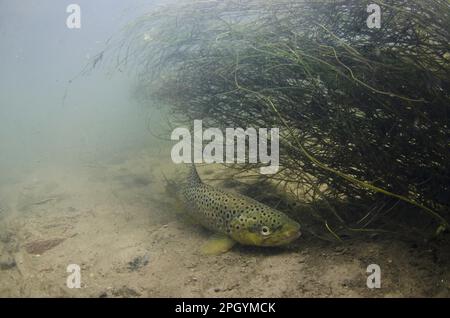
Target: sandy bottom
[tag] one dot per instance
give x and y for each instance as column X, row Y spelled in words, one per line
column 118, row 224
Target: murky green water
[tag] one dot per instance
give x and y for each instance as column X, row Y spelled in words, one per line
column 82, row 184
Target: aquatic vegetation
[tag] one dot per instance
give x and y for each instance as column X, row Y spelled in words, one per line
column 363, row 112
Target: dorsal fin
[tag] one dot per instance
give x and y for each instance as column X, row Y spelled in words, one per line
column 194, row 178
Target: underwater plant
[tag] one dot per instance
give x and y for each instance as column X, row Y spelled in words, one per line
column 363, row 112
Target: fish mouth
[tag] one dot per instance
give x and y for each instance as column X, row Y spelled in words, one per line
column 288, row 235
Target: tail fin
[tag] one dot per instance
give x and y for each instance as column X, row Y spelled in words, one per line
column 194, row 178
column 171, row 186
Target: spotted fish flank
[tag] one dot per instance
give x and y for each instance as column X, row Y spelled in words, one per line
column 237, row 217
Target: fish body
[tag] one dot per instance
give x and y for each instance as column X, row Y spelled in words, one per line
column 239, row 217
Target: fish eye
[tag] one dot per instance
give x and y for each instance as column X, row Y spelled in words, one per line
column 265, row 230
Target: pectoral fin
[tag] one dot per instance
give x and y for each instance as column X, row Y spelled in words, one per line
column 217, row 244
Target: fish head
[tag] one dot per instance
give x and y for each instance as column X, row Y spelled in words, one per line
column 264, row 227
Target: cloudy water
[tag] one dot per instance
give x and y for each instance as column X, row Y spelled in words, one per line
column 338, row 185
column 47, row 121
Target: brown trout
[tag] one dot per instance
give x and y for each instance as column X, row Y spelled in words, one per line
column 237, row 218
